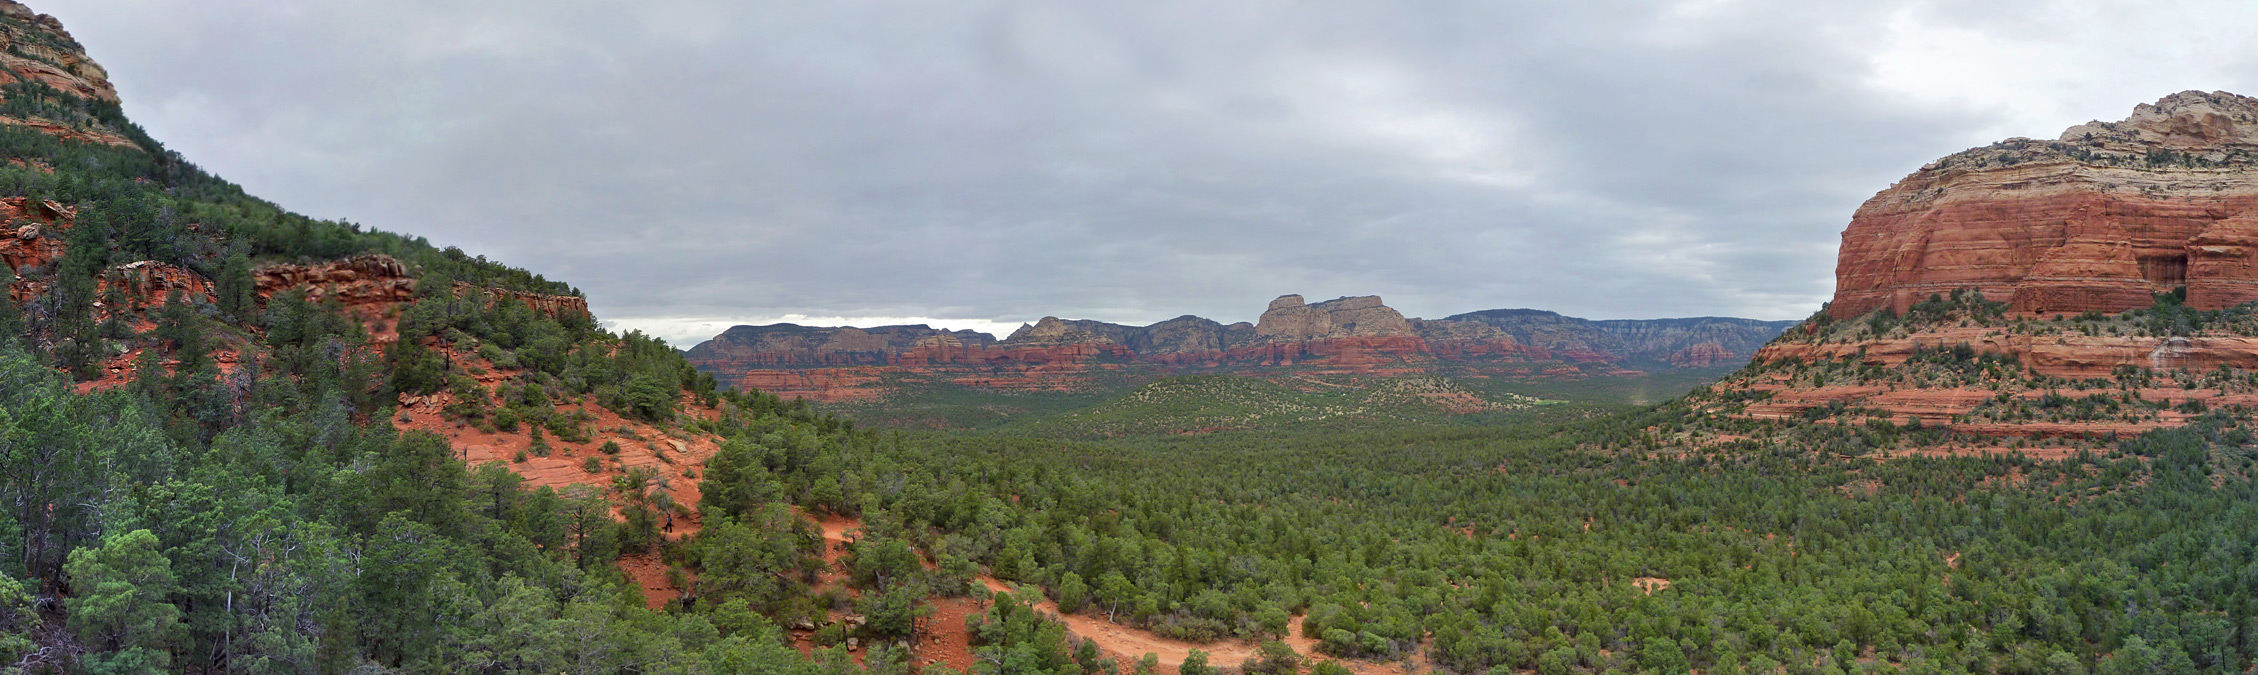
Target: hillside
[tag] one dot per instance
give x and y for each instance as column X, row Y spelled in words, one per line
column 238, row 439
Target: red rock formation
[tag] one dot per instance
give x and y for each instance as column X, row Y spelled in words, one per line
column 356, row 281
column 1339, row 353
column 31, row 233
column 31, row 238
column 34, row 48
column 378, row 279
column 2100, row 219
column 2221, row 271
column 552, row 305
column 2061, row 355
column 29, row 50
column 820, row 384
column 1288, row 319
column 149, row 283
column 1347, row 336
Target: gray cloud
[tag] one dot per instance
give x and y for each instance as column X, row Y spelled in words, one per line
column 690, row 164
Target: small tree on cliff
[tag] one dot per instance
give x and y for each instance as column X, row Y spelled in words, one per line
column 235, row 291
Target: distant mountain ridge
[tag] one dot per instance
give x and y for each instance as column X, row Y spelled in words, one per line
column 1646, row 341
column 1348, row 335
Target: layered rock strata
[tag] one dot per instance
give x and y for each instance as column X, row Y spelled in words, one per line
column 378, row 279
column 39, row 59
column 2009, row 272
column 2103, row 217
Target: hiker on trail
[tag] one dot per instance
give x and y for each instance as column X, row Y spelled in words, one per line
column 670, row 523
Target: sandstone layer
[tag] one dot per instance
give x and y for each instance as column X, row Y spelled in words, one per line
column 2103, row 217
column 31, row 235
column 35, row 47
column 39, row 59
column 2010, row 273
column 381, row 280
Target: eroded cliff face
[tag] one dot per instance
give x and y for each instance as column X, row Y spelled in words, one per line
column 1353, row 336
column 2101, row 218
column 2027, row 287
column 378, row 280
column 38, row 59
column 31, row 237
column 1289, row 320
column 34, row 47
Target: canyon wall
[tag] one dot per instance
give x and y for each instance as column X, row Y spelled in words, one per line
column 2103, row 217
column 2034, row 288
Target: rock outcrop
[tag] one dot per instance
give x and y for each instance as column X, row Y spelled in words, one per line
column 40, row 59
column 31, row 232
column 1344, row 336
column 2102, row 218
column 1288, row 320
column 149, row 283
column 356, row 281
column 2008, row 272
column 546, row 303
column 1051, row 330
column 34, row 47
column 381, row 280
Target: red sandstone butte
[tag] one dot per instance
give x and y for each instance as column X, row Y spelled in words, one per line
column 2101, row 218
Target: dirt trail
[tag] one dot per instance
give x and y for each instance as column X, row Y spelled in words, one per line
column 649, row 574
column 1129, row 644
column 947, row 642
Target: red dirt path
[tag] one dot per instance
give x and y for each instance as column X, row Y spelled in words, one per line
column 948, row 643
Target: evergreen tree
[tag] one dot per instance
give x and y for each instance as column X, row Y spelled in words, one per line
column 120, row 606
column 234, row 290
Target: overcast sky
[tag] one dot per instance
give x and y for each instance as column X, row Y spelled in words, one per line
column 974, row 163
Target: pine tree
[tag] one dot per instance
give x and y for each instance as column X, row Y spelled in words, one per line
column 235, row 290
column 121, row 604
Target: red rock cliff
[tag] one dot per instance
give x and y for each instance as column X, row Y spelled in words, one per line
column 35, row 49
column 376, row 279
column 2101, row 218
